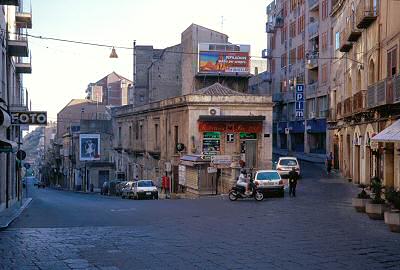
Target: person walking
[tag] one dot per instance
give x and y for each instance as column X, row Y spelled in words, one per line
column 293, row 177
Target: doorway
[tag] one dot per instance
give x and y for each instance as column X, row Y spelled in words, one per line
column 357, row 164
column 103, row 177
column 251, row 153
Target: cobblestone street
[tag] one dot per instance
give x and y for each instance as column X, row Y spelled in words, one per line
column 317, row 230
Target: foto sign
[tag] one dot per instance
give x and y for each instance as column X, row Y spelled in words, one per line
column 29, row 118
column 299, row 101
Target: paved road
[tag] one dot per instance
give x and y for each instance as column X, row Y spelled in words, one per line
column 317, row 230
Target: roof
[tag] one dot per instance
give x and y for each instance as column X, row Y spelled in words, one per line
column 232, row 118
column 389, row 134
column 218, row 90
column 112, row 74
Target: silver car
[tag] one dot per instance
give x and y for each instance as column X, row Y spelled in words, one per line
column 286, row 164
column 143, row 189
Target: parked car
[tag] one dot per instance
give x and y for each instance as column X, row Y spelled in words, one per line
column 269, row 181
column 285, row 165
column 119, row 187
column 127, row 190
column 104, row 189
column 143, row 189
column 112, row 188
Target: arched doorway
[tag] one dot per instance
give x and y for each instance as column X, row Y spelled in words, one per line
column 356, row 155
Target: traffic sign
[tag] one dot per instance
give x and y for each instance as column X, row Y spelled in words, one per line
column 21, row 154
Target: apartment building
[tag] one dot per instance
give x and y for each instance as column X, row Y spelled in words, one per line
column 111, row 90
column 15, row 19
column 365, row 90
column 298, row 49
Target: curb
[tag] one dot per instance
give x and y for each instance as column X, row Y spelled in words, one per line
column 16, row 214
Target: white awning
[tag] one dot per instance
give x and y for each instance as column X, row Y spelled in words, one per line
column 389, row 134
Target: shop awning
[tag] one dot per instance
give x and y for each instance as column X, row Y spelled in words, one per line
column 389, row 134
column 7, row 146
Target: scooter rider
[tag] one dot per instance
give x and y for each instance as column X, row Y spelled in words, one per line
column 243, row 181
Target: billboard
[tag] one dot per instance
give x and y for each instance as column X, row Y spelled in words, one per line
column 89, row 147
column 224, row 59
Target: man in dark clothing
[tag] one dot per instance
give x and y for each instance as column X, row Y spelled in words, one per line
column 293, row 177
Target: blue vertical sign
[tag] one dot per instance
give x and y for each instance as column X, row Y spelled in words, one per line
column 299, row 101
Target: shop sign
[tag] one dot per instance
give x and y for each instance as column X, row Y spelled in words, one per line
column 212, row 135
column 248, row 136
column 182, row 175
column 29, row 118
column 211, row 169
column 221, row 160
column 230, row 127
column 211, row 143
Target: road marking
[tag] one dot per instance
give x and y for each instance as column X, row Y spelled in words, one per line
column 123, row 210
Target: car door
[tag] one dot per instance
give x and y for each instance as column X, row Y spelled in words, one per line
column 135, row 189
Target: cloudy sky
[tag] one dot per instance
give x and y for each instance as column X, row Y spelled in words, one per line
column 62, row 71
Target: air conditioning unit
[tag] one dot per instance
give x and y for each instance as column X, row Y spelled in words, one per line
column 214, row 111
column 311, row 115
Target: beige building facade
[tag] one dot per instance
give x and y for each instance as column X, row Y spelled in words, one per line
column 365, row 89
column 214, row 121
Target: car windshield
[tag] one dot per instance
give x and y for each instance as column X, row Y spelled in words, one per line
column 288, row 162
column 268, row 176
column 146, row 184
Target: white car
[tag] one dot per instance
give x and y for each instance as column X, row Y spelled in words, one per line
column 127, row 190
column 145, row 189
column 269, row 181
column 286, row 164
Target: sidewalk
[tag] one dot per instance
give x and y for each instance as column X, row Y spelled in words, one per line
column 310, row 157
column 8, row 215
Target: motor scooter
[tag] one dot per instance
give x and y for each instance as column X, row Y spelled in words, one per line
column 239, row 192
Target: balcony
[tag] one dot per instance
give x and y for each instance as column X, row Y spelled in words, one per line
column 345, row 46
column 269, row 27
column 279, row 22
column 359, row 101
column 267, row 53
column 9, row 2
column 271, row 7
column 396, row 88
column 366, row 13
column 277, row 97
column 311, row 89
column 23, row 17
column 383, row 92
column 312, row 62
column 352, row 32
column 288, row 96
column 23, row 66
column 347, row 107
column 21, row 101
column 313, row 5
column 313, row 29
column 18, row 45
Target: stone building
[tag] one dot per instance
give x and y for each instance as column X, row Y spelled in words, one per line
column 112, row 90
column 299, row 52
column 213, row 121
column 365, row 90
column 174, row 71
column 15, row 19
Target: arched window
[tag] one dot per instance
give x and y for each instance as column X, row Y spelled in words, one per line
column 358, row 81
column 349, row 87
column 371, row 72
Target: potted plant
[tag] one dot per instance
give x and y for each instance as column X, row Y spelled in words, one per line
column 376, row 207
column 361, row 200
column 392, row 217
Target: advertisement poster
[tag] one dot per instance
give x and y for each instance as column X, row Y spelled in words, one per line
column 224, row 62
column 89, row 146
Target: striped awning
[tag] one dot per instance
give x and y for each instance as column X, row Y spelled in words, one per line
column 389, row 134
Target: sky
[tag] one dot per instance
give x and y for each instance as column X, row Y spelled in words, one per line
column 62, row 71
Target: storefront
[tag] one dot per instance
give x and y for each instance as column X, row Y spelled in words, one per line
column 316, row 134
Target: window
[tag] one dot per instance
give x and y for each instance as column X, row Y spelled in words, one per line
column 324, row 75
column 156, row 134
column 292, row 56
column 293, row 5
column 324, row 9
column 273, row 40
column 283, row 34
column 137, row 131
column 324, row 41
column 141, row 131
column 119, row 136
column 337, row 40
column 284, row 9
column 392, row 63
column 176, row 137
column 300, row 52
column 283, row 60
column 283, row 86
column 130, row 135
column 292, row 29
column 300, row 24
column 273, row 65
column 331, row 36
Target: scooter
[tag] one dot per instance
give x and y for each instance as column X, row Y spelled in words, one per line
column 238, row 192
